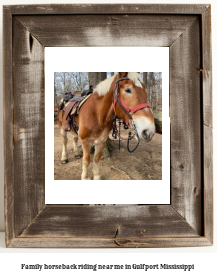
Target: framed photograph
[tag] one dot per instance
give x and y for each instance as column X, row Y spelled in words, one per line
column 126, row 161
column 172, row 40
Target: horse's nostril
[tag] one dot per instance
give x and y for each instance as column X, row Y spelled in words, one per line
column 145, row 134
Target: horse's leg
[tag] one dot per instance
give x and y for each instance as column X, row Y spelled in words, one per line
column 64, row 158
column 86, row 158
column 75, row 144
column 96, row 159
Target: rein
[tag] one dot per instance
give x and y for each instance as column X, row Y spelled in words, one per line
column 129, row 111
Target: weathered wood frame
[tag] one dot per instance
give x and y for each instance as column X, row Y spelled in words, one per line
column 186, row 29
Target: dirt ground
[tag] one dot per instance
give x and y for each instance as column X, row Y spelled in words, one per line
column 143, row 164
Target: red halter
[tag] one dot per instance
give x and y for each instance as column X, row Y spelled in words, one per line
column 127, row 109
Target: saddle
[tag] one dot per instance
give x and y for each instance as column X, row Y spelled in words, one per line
column 72, row 109
column 87, row 92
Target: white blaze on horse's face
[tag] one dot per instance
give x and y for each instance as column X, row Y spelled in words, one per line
column 145, row 127
column 143, row 119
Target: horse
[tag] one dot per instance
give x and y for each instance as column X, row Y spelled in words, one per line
column 122, row 95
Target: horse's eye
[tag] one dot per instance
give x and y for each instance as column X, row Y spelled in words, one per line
column 128, row 91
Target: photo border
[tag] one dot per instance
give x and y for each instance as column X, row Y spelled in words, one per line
column 69, row 191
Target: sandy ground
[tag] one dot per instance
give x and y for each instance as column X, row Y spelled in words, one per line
column 143, row 164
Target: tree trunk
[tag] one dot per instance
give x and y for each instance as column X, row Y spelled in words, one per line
column 145, row 79
column 95, row 77
column 64, row 82
column 151, row 83
column 55, row 99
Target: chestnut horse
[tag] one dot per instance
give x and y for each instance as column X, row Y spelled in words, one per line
column 95, row 118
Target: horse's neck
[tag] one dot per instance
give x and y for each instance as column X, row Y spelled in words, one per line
column 107, row 110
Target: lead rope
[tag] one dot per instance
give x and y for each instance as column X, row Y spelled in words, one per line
column 116, row 134
column 129, row 136
column 128, row 144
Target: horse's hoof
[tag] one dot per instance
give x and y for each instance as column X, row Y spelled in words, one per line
column 85, row 179
column 77, row 155
column 97, row 177
column 64, row 161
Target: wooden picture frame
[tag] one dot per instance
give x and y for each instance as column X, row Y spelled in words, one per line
column 186, row 30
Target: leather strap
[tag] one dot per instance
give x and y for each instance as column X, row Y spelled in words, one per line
column 127, row 109
column 131, row 109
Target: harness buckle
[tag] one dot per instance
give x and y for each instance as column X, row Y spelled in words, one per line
column 125, row 125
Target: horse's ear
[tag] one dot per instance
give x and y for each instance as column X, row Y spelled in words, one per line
column 122, row 74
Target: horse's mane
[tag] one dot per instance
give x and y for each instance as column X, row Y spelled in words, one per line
column 136, row 78
column 104, row 86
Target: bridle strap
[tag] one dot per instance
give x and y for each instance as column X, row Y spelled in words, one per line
column 130, row 109
column 127, row 109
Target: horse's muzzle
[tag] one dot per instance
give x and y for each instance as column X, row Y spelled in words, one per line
column 145, row 128
column 146, row 135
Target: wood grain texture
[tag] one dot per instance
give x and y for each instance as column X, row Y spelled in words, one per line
column 208, row 183
column 34, row 242
column 29, row 139
column 186, row 132
column 107, row 30
column 106, row 9
column 29, row 223
column 207, row 122
column 207, row 67
column 8, row 125
column 109, row 222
